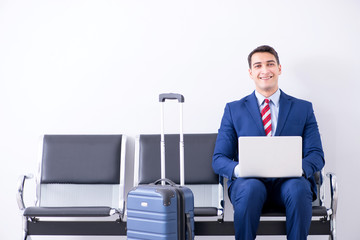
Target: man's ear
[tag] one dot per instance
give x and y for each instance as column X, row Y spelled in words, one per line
column 279, row 69
column 250, row 72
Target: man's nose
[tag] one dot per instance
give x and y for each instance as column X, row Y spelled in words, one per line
column 264, row 69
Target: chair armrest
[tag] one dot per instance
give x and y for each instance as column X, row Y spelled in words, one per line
column 20, row 192
column 333, row 192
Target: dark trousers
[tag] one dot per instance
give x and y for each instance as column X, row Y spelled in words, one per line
column 249, row 195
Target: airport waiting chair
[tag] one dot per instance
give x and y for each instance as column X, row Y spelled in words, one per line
column 208, row 190
column 80, row 187
column 199, row 176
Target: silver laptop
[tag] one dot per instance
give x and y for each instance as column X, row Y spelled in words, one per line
column 270, row 157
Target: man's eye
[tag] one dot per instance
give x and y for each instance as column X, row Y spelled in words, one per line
column 257, row 66
column 271, row 64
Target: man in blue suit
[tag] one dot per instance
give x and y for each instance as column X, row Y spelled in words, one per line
column 289, row 117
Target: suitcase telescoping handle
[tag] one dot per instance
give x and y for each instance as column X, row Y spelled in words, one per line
column 172, row 96
column 162, row 98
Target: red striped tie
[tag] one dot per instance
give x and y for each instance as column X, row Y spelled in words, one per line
column 266, row 118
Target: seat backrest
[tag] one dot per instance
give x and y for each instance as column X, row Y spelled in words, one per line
column 82, row 170
column 199, row 175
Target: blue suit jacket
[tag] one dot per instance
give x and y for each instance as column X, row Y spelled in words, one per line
column 242, row 118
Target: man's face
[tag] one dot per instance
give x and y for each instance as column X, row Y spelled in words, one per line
column 265, row 72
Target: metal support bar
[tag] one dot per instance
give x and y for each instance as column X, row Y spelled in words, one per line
column 202, row 228
column 85, row 228
column 226, row 228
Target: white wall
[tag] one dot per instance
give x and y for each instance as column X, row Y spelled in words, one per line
column 88, row 66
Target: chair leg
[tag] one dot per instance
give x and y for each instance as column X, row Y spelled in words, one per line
column 332, row 236
column 333, row 230
column 25, row 231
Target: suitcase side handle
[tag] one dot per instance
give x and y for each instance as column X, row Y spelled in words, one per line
column 188, row 226
column 164, row 96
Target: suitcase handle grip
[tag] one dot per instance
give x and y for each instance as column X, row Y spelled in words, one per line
column 188, row 226
column 168, row 181
column 164, row 96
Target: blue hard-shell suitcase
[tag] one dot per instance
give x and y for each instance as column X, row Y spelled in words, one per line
column 162, row 210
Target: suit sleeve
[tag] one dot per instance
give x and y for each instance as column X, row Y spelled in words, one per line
column 225, row 151
column 313, row 155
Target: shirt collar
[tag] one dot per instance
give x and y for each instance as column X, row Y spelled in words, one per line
column 275, row 98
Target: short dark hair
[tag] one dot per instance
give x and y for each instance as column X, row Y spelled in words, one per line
column 264, row 48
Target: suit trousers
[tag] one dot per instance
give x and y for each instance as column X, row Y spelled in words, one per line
column 250, row 195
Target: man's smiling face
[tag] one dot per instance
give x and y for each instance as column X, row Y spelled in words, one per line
column 265, row 72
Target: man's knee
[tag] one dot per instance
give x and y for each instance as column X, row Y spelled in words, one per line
column 297, row 190
column 248, row 190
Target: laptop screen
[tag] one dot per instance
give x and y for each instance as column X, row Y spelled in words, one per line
column 270, row 157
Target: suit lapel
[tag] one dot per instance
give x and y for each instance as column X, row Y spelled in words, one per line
column 253, row 108
column 284, row 109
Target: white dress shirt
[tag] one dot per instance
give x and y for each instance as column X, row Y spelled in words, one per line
column 274, row 107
